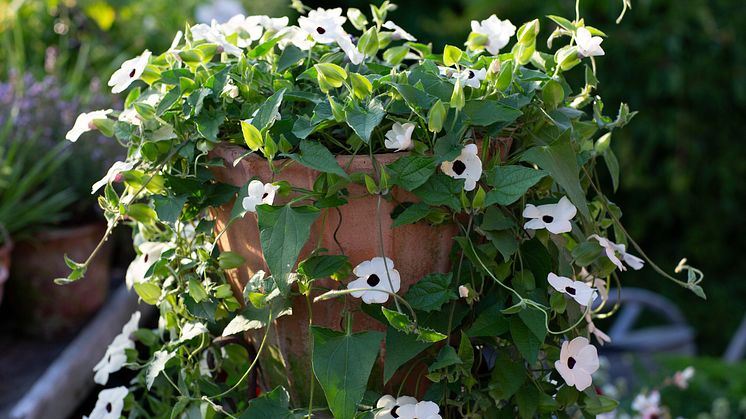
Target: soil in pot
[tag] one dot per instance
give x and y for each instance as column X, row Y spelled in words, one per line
column 43, row 308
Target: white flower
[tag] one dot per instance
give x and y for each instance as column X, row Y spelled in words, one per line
column 109, row 404
column 259, row 193
column 600, row 336
column 150, row 252
column 345, row 42
column 324, row 26
column 578, row 360
column 498, row 32
column 112, row 174
column 554, row 217
column 399, row 137
column 472, row 78
column 130, row 71
column 213, row 34
column 273, row 24
column 647, row 405
column 115, row 356
column 421, row 410
column 398, row 33
column 295, row 36
column 447, row 71
column 84, row 123
column 463, row 292
column 249, row 29
column 130, row 116
column 375, row 273
column 389, row 406
column 579, row 291
column 588, row 46
column 614, row 251
column 230, row 90
column 191, row 330
column 681, row 378
column 467, row 166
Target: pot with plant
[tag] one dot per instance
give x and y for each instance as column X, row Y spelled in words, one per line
column 330, row 220
column 47, row 224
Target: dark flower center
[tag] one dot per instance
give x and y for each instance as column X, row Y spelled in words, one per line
column 109, row 407
column 570, row 290
column 373, row 280
column 571, row 362
column 393, row 412
column 265, row 195
column 471, row 74
column 547, row 218
column 321, row 30
column 147, row 256
column 459, row 167
column 132, row 73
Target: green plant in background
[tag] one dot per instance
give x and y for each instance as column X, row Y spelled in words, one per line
column 505, row 333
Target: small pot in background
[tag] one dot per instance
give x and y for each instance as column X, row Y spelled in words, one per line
column 43, row 308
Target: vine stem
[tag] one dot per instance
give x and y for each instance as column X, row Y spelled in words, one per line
column 383, row 254
column 313, row 372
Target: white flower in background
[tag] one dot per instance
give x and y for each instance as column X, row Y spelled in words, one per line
column 213, row 34
column 219, row 10
column 421, row 410
column 150, row 252
column 375, row 273
column 109, row 404
column 399, row 137
column 588, row 46
column 579, row 291
column 648, row 406
column 230, row 90
column 112, row 174
column 130, row 71
column 398, row 33
column 597, row 283
column 389, row 406
column 463, row 292
column 350, row 49
column 247, row 28
column 130, row 116
column 447, row 71
column 176, row 41
column 467, row 166
column 324, row 26
column 615, row 251
column 295, row 36
column 472, row 78
column 84, row 123
column 273, row 24
column 600, row 336
column 497, row 32
column 554, row 217
column 681, row 378
column 115, row 356
column 259, row 193
column 191, row 330
column 578, row 360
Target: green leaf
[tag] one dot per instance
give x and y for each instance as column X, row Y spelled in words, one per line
column 230, row 260
column 446, row 358
column 527, row 344
column 149, row 292
column 251, row 136
column 322, row 266
column 586, row 253
column 361, row 86
column 417, row 99
column 364, row 120
column 490, row 322
column 315, row 155
column 598, row 404
column 263, row 48
column 536, row 257
column 169, row 208
column 410, row 172
column 168, row 101
column 483, row 112
column 412, row 214
column 268, row 111
column 241, row 324
column 400, row 348
column 342, row 364
column 431, row 292
column 436, row 117
column 441, row 189
column 398, row 321
column 508, row 376
column 495, row 220
column 283, row 231
column 208, row 124
column 527, row 400
column 560, row 161
column 157, row 365
column 451, row 55
column 290, row 55
column 534, row 319
column 329, row 76
column 197, row 291
column 274, row 404
column 510, row 183
column 142, row 213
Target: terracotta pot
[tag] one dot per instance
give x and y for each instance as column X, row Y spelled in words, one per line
column 5, row 264
column 416, row 249
column 44, row 308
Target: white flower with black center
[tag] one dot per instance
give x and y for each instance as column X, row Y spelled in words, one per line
column 388, row 406
column 84, row 123
column 115, row 356
column 130, row 71
column 578, row 361
column 398, row 33
column 150, row 253
column 109, row 404
column 467, row 166
column 324, row 26
column 497, row 32
column 554, row 217
column 588, row 46
column 293, row 35
column 616, row 251
column 375, row 279
column 213, row 34
column 112, row 175
column 472, row 78
column 399, row 137
column 421, row 410
column 259, row 193
column 577, row 290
